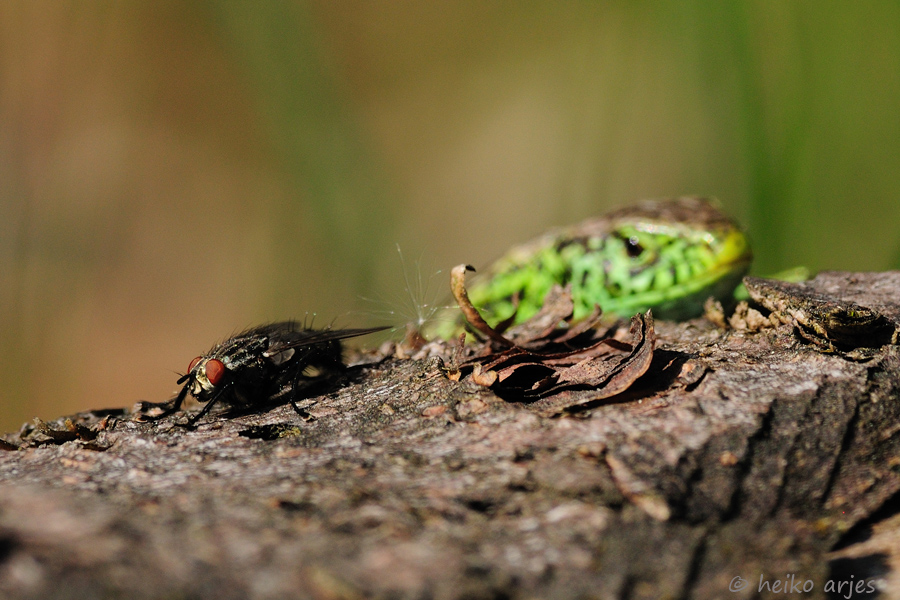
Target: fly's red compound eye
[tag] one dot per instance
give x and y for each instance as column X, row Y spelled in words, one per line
column 215, row 371
column 194, row 363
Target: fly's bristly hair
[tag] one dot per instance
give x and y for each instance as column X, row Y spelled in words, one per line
column 263, row 364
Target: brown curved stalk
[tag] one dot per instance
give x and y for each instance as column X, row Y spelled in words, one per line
column 458, row 287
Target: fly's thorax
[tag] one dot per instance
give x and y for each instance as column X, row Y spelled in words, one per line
column 220, row 366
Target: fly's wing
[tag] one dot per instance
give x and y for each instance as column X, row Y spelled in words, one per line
column 285, row 336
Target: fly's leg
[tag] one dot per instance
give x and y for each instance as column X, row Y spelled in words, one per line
column 174, row 406
column 302, row 413
column 292, row 395
column 295, row 386
column 205, row 410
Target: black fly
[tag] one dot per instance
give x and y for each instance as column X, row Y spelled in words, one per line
column 262, row 365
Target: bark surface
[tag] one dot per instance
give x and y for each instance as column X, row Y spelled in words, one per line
column 741, row 453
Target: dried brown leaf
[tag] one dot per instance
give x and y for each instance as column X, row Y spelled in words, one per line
column 552, row 364
column 602, row 383
column 558, row 307
column 484, row 378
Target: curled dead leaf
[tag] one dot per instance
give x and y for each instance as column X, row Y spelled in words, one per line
column 550, row 363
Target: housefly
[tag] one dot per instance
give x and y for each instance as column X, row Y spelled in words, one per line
column 263, row 365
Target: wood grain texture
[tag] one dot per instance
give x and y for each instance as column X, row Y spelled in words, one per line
column 736, row 454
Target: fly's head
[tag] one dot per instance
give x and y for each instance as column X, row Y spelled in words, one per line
column 211, row 374
column 206, row 376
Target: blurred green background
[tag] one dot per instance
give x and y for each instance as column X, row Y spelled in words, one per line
column 171, row 172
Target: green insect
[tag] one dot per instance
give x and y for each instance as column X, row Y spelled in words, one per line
column 668, row 255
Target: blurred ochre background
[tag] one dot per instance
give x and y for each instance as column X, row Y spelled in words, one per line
column 171, row 172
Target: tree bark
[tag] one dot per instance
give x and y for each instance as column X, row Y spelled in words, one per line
column 740, row 456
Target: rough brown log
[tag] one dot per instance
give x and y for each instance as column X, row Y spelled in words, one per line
column 738, row 454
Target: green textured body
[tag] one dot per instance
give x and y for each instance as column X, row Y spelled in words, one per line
column 665, row 255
